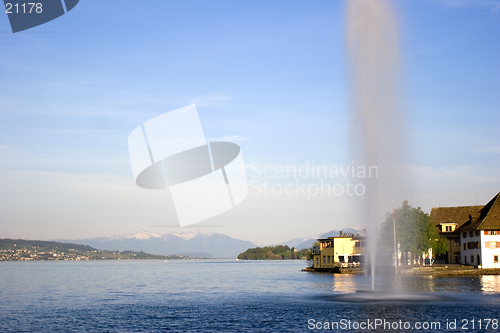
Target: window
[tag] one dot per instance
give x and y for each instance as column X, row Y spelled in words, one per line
column 486, row 232
column 456, row 242
column 324, row 259
column 495, row 259
column 471, row 233
column 471, row 259
column 465, row 259
column 464, row 235
column 328, row 259
column 478, row 233
column 448, row 228
column 472, row 245
column 317, row 261
column 491, row 245
column 493, row 232
column 465, row 246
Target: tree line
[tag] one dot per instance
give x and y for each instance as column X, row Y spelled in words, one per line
column 278, row 252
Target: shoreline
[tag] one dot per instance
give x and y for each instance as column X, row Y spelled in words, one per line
column 435, row 270
column 448, row 270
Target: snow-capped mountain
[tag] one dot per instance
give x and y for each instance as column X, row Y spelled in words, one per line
column 194, row 243
column 141, row 234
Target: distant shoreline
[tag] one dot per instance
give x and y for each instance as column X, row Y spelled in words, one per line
column 36, row 250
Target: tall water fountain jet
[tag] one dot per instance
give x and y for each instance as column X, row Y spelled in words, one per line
column 376, row 118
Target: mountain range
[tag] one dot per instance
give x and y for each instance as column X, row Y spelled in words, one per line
column 194, row 243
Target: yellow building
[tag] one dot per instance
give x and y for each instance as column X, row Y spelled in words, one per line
column 344, row 250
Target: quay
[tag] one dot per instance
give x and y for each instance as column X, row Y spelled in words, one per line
column 335, row 270
column 447, row 270
column 434, row 270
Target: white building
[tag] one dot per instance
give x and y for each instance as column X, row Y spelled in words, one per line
column 480, row 237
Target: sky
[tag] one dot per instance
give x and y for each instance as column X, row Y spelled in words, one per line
column 270, row 76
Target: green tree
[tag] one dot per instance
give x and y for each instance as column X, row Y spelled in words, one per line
column 414, row 232
column 278, row 252
column 280, row 249
column 310, row 253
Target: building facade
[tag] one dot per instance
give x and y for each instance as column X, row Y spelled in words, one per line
column 480, row 237
column 345, row 250
column 447, row 220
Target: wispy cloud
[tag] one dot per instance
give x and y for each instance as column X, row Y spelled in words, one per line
column 209, row 99
column 493, row 5
column 194, row 226
column 433, row 48
column 452, row 185
column 456, row 174
column 93, row 188
column 230, row 138
column 56, row 131
column 104, row 134
column 493, row 150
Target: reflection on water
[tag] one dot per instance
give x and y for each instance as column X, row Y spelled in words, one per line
column 347, row 283
column 412, row 290
column 490, row 283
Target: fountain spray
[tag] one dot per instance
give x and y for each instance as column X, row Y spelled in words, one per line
column 372, row 51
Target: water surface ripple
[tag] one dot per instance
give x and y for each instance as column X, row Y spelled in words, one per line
column 223, row 296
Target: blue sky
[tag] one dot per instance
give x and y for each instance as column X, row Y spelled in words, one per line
column 270, row 76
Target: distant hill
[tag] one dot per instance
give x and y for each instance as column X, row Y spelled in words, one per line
column 278, row 252
column 22, row 249
column 8, row 243
column 306, row 242
column 194, row 243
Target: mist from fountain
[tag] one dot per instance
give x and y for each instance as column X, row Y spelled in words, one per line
column 377, row 127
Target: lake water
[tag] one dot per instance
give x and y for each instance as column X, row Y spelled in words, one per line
column 232, row 296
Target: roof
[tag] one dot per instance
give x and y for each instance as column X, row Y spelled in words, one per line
column 343, row 236
column 458, row 215
column 488, row 219
column 358, row 236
